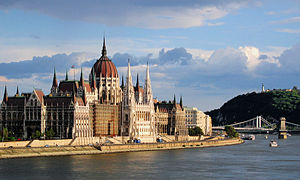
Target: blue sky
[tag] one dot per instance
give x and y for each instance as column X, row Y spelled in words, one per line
column 208, row 51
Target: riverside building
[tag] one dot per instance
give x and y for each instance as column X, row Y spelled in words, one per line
column 194, row 117
column 98, row 107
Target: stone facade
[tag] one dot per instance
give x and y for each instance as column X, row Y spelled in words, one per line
column 138, row 116
column 175, row 119
column 95, row 108
column 194, row 117
column 23, row 114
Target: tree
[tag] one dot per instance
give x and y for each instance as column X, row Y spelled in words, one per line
column 196, row 131
column 50, row 133
column 231, row 132
column 36, row 135
column 295, row 88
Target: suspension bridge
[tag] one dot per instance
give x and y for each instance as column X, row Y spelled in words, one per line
column 259, row 124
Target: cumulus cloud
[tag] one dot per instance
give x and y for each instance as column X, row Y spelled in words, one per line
column 155, row 14
column 223, row 74
column 290, row 59
column 43, row 64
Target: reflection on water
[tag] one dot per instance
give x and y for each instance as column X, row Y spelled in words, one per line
column 251, row 160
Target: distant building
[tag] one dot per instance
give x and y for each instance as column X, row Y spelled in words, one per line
column 175, row 116
column 194, row 117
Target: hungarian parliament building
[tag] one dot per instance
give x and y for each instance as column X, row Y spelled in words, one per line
column 99, row 107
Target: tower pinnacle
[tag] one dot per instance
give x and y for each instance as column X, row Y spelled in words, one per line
column 5, row 96
column 104, row 52
column 67, row 77
column 17, row 93
column 81, row 78
column 54, row 83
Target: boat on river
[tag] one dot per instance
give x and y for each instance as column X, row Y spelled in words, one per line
column 250, row 137
column 273, row 143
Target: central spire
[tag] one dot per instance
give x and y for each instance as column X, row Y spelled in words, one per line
column 104, row 52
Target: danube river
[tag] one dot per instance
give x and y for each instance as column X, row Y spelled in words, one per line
column 251, row 160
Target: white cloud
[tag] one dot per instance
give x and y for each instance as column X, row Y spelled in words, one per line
column 152, row 14
column 200, row 53
column 252, row 54
column 215, row 24
column 287, row 30
column 205, row 84
column 287, row 21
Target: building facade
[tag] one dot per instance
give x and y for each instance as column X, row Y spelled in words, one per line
column 138, row 115
column 97, row 107
column 194, row 117
column 23, row 114
column 175, row 119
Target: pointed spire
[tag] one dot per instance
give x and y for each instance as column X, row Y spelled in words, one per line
column 104, row 52
column 122, row 85
column 148, row 90
column 137, row 81
column 128, row 70
column 54, row 83
column 81, row 78
column 174, row 101
column 181, row 105
column 67, row 77
column 5, row 96
column 129, row 90
column 17, row 93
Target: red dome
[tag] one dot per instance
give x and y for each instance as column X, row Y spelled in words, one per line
column 104, row 67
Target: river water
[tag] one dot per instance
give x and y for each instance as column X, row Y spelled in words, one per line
column 251, row 160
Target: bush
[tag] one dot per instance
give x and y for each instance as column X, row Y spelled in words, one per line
column 196, row 131
column 50, row 133
column 231, row 132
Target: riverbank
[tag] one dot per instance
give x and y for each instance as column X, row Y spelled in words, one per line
column 85, row 150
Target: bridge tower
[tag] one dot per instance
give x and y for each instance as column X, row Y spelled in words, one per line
column 258, row 121
column 282, row 131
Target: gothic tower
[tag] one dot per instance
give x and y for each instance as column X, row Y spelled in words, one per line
column 105, row 76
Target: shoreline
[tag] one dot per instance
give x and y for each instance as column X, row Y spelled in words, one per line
column 10, row 153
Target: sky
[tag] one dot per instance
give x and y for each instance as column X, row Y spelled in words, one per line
column 206, row 51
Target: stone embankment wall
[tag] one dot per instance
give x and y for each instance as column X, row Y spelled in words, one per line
column 18, row 152
column 60, row 142
column 49, row 151
column 170, row 145
column 83, row 141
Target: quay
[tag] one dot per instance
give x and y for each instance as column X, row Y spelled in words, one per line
column 23, row 152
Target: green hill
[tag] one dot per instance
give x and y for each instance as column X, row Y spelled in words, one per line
column 271, row 105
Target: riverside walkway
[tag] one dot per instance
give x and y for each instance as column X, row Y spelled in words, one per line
column 84, row 150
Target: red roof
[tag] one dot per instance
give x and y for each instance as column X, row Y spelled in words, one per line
column 79, row 100
column 87, row 87
column 40, row 95
column 104, row 67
